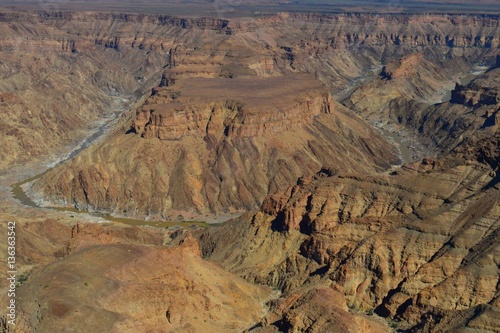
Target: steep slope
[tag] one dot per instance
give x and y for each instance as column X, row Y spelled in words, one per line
column 119, row 53
column 407, row 99
column 57, row 84
column 218, row 145
column 419, row 245
column 317, row 309
column 211, row 171
column 472, row 112
column 416, row 245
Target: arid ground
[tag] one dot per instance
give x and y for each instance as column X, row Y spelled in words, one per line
column 266, row 166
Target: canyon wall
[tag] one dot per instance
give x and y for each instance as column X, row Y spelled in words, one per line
column 418, row 246
column 102, row 54
column 350, row 240
column 233, row 141
column 219, row 147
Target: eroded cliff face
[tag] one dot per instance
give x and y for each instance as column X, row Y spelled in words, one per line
column 406, row 30
column 233, row 124
column 347, row 46
column 419, row 77
column 317, row 309
column 57, row 54
column 234, row 135
column 235, row 110
column 483, row 91
column 185, row 154
column 58, row 84
column 419, row 245
column 472, row 112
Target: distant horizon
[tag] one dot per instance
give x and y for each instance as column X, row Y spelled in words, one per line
column 238, row 8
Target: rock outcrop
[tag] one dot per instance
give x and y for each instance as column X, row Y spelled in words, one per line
column 480, row 92
column 241, row 49
column 235, row 110
column 319, row 309
column 471, row 113
column 220, row 145
column 404, row 67
column 120, row 53
column 352, row 242
column 428, row 124
column 417, row 246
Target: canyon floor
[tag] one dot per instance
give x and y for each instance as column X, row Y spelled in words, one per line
column 288, row 171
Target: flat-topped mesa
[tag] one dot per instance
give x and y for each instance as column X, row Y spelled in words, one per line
column 232, row 108
column 222, row 145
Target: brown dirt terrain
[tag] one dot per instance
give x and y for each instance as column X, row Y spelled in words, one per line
column 124, row 279
column 225, row 155
column 243, row 116
column 418, row 246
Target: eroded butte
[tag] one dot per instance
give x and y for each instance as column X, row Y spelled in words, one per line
column 219, row 145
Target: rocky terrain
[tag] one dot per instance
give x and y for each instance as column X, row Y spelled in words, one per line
column 472, row 109
column 57, row 86
column 418, row 245
column 254, row 136
column 123, row 55
column 255, row 118
column 127, row 279
column 220, row 177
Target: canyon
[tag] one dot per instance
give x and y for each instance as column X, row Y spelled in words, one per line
column 276, row 125
column 224, row 156
column 417, row 245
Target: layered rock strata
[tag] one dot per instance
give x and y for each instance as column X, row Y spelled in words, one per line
column 218, row 145
column 418, row 246
column 106, row 54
